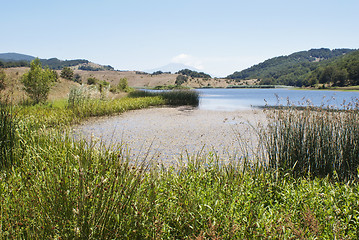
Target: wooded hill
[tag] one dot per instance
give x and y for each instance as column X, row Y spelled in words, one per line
column 8, row 60
column 338, row 67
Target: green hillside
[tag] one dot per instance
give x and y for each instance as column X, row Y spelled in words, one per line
column 296, row 69
column 8, row 60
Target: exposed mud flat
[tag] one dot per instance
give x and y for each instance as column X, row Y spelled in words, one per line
column 165, row 134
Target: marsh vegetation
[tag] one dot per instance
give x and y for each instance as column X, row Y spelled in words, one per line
column 54, row 187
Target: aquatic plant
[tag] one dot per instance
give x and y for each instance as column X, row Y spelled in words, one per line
column 314, row 141
column 173, row 97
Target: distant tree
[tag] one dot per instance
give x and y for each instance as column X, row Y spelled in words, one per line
column 89, row 68
column 326, row 75
column 340, row 76
column 353, row 72
column 37, row 82
column 180, row 79
column 2, row 79
column 67, row 73
column 157, row 73
column 77, row 78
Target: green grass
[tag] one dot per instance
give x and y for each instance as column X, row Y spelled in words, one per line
column 59, row 188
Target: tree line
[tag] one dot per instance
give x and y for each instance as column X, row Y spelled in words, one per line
column 55, row 64
column 193, row 74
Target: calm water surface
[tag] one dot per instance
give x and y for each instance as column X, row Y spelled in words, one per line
column 239, row 99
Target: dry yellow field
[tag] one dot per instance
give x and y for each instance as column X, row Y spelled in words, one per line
column 135, row 79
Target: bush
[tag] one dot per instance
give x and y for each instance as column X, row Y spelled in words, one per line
column 92, row 81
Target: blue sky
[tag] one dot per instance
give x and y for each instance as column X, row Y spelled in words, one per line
column 217, row 37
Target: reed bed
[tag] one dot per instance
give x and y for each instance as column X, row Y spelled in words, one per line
column 314, row 142
column 173, row 97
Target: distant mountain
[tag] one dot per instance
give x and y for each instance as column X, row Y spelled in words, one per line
column 291, row 70
column 8, row 57
column 172, row 67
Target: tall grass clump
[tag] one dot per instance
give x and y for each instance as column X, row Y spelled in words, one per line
column 173, row 97
column 8, row 124
column 314, row 142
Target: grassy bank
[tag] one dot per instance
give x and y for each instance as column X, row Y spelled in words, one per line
column 82, row 105
column 58, row 188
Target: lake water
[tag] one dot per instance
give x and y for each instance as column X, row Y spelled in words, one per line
column 240, row 99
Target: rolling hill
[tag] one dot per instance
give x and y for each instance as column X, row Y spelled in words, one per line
column 10, row 57
column 292, row 70
column 22, row 60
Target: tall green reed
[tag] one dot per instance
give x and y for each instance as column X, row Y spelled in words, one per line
column 314, row 142
column 173, row 97
column 68, row 189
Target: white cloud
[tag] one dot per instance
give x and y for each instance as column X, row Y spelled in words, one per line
column 188, row 60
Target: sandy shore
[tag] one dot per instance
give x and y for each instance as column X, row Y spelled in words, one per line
column 166, row 133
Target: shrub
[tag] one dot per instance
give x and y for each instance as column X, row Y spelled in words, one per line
column 92, row 81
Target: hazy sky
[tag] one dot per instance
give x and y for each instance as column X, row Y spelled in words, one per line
column 217, row 37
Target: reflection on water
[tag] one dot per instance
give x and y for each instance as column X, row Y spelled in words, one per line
column 239, row 99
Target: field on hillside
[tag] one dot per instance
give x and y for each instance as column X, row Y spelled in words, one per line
column 135, row 79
